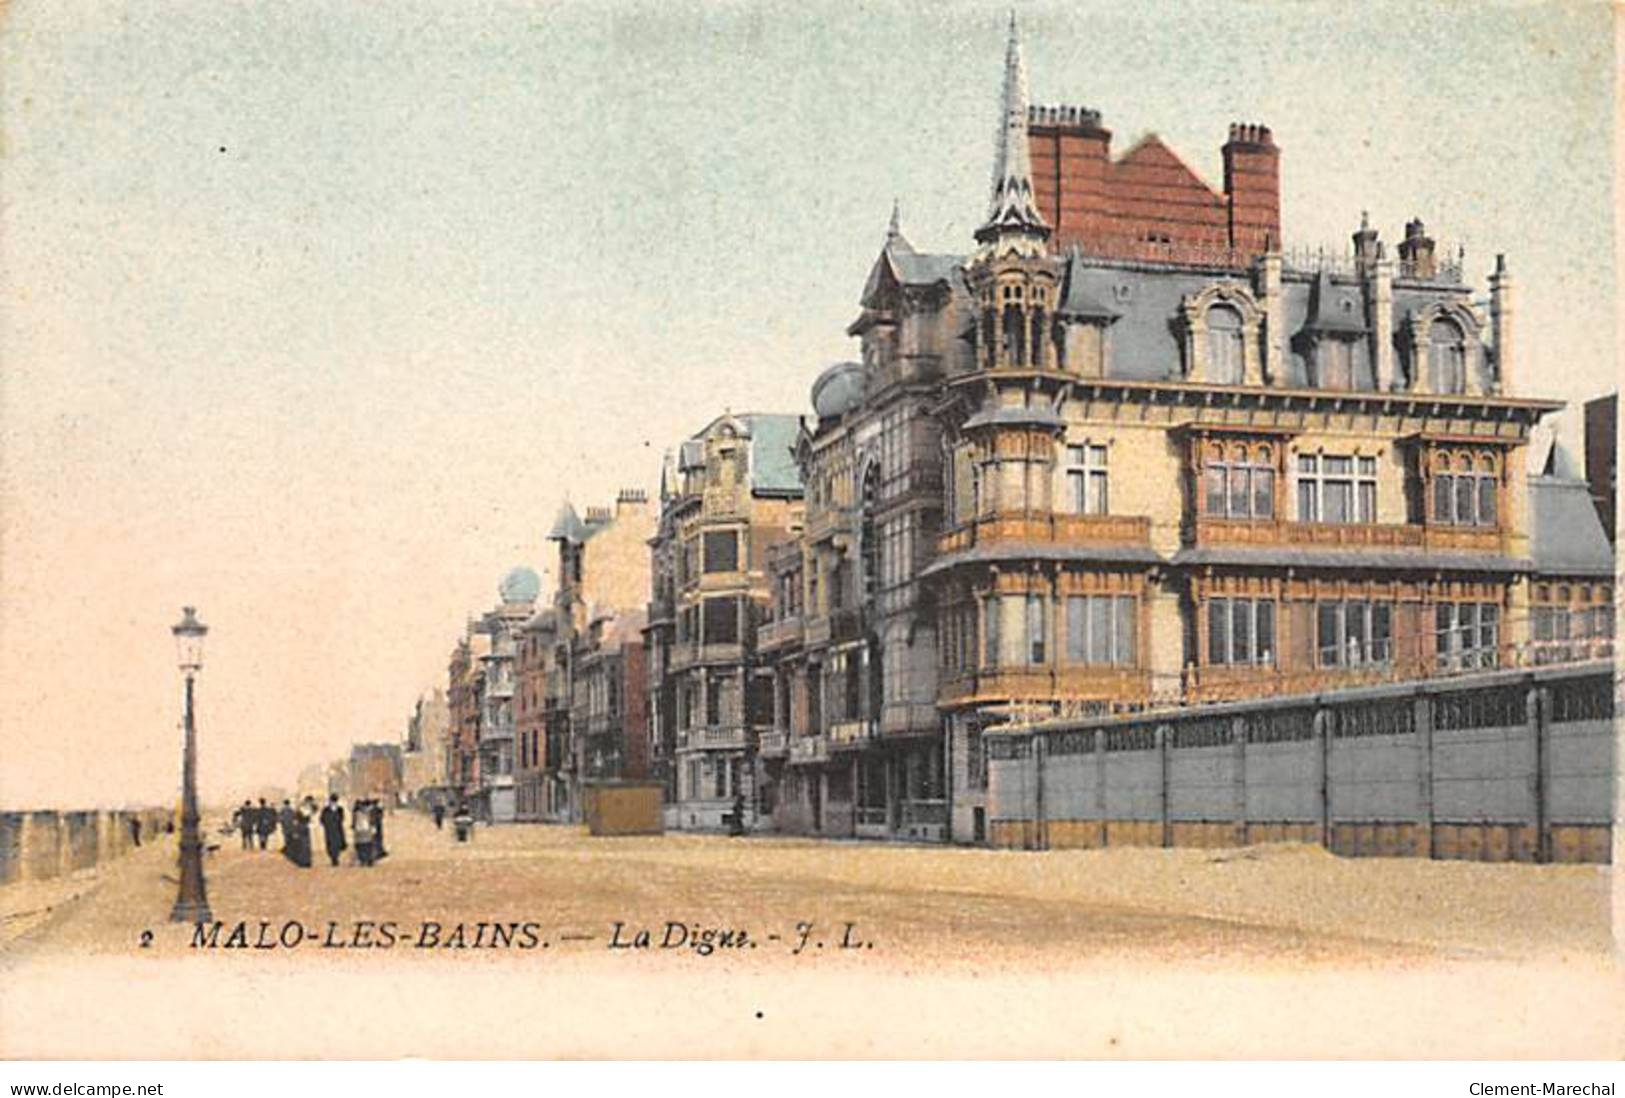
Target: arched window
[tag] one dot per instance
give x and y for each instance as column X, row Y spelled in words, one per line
column 1224, row 356
column 1447, row 357
column 988, row 341
column 1037, row 342
column 1015, row 337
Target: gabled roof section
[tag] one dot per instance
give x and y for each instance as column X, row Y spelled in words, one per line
column 900, row 265
column 1151, row 163
column 1566, row 536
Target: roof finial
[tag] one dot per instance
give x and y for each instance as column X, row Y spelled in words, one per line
column 1013, row 220
column 895, row 228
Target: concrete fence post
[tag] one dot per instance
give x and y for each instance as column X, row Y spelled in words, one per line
column 1163, row 734
column 1040, row 817
column 1422, row 709
column 1100, row 781
column 1238, row 777
column 1538, row 713
column 1320, row 724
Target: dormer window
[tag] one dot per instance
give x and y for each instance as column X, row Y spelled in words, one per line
column 1224, row 346
column 1447, row 357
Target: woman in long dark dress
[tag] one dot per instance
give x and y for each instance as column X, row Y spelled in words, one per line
column 377, row 811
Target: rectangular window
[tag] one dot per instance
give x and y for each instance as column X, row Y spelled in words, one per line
column 1240, row 631
column 1337, row 489
column 1465, row 499
column 1353, row 634
column 722, row 551
column 1467, row 634
column 1218, row 631
column 721, row 621
column 1101, row 630
column 1126, row 652
column 1037, row 629
column 713, row 701
column 990, row 631
column 1086, row 479
column 1486, row 501
column 1240, row 486
column 1215, row 480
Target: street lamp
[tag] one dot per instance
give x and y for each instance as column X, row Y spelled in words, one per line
column 192, row 905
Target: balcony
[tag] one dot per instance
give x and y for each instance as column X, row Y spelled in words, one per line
column 725, row 501
column 823, row 522
column 779, row 634
column 1129, row 687
column 837, row 627
column 850, row 735
column 808, row 749
column 1350, row 535
column 773, row 743
column 721, row 737
column 1115, row 531
column 690, row 655
column 909, row 718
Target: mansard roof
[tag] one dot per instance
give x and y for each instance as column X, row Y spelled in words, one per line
column 1332, row 311
column 1566, row 536
column 1076, row 300
column 772, row 437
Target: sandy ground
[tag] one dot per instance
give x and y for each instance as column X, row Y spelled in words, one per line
column 861, row 949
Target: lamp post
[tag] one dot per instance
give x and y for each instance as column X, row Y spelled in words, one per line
column 192, row 904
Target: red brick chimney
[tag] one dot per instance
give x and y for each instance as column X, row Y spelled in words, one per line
column 1071, row 156
column 1252, row 185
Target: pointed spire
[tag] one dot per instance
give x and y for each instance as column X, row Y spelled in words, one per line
column 895, row 228
column 1013, row 220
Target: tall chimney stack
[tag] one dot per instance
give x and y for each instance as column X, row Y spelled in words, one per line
column 1416, row 259
column 1252, row 186
column 1501, row 325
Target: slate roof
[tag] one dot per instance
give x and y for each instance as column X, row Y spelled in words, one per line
column 1326, row 312
column 1078, row 301
column 1043, row 417
column 773, row 436
column 773, row 465
column 1566, row 536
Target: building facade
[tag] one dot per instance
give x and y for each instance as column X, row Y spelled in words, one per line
column 603, row 579
column 737, row 492
column 1128, row 452
column 426, row 751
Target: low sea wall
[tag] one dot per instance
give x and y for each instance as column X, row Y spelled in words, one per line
column 40, row 845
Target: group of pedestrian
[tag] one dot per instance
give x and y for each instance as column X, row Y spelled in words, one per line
column 366, row 829
column 255, row 821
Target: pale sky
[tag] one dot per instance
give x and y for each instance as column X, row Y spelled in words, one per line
column 312, row 314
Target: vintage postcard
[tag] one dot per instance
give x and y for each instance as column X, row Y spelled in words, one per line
column 756, row 529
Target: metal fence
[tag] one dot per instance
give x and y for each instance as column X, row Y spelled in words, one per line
column 1503, row 766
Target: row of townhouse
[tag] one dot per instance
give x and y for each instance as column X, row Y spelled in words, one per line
column 1125, row 452
column 544, row 697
